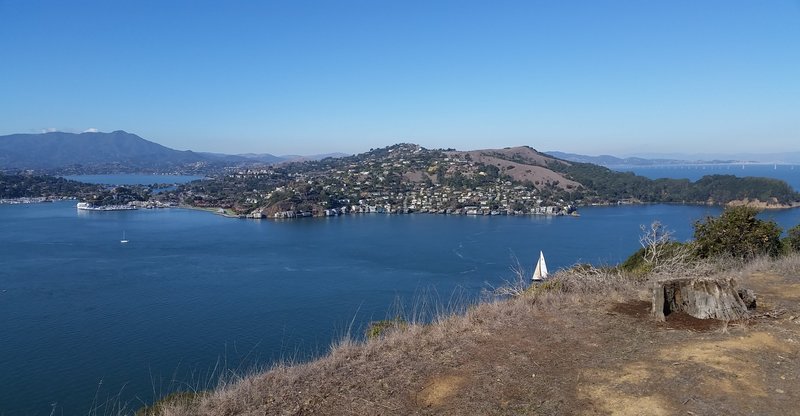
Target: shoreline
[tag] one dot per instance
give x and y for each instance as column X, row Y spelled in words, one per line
column 762, row 205
column 227, row 213
column 211, row 210
column 34, row 200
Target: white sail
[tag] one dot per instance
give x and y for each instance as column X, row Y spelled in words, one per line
column 541, row 269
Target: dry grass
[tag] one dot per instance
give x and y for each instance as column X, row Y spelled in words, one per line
column 788, row 265
column 368, row 377
column 583, row 343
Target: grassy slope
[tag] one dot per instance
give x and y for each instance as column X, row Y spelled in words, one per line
column 589, row 348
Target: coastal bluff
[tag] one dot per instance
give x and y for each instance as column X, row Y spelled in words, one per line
column 591, row 349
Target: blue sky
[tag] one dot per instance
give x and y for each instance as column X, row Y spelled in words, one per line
column 306, row 77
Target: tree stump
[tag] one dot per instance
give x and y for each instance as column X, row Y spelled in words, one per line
column 748, row 297
column 702, row 298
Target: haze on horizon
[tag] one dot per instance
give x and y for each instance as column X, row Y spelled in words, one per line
column 303, row 77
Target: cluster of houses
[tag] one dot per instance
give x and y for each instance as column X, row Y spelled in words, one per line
column 152, row 203
column 389, row 209
column 282, row 214
column 31, row 200
column 502, row 199
column 402, row 179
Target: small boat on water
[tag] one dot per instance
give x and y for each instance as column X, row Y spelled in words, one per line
column 124, row 240
column 541, row 269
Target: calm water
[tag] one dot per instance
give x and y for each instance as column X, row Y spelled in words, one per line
column 788, row 173
column 85, row 316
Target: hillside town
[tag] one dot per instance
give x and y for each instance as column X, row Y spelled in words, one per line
column 504, row 199
column 407, row 178
column 400, row 179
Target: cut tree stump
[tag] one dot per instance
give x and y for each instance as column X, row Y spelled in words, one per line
column 703, row 298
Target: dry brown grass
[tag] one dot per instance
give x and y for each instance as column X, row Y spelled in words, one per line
column 585, row 344
column 788, row 265
column 379, row 370
column 533, row 167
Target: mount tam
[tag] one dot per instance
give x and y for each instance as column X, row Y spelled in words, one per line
column 116, row 152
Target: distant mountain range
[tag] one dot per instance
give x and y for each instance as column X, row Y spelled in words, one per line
column 56, row 150
column 779, row 158
column 118, row 151
column 679, row 158
column 269, row 159
column 607, row 160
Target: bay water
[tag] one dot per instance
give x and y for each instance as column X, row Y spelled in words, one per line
column 87, row 320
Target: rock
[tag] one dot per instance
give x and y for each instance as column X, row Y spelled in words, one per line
column 703, row 298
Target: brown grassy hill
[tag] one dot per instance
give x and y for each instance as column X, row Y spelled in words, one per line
column 588, row 347
column 525, row 154
column 522, row 163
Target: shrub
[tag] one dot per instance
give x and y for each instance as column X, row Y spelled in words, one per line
column 178, row 398
column 551, row 285
column 737, row 233
column 378, row 328
column 793, row 238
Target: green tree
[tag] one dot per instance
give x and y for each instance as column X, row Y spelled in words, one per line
column 793, row 239
column 737, row 233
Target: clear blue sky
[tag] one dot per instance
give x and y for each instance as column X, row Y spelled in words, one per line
column 305, row 77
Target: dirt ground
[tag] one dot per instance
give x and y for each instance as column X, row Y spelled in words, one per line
column 576, row 358
column 619, row 361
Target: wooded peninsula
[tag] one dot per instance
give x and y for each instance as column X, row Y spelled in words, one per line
column 406, row 178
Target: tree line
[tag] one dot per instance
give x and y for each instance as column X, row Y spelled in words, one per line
column 717, row 189
column 35, row 186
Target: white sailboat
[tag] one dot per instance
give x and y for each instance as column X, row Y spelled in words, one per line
column 124, row 240
column 541, row 269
